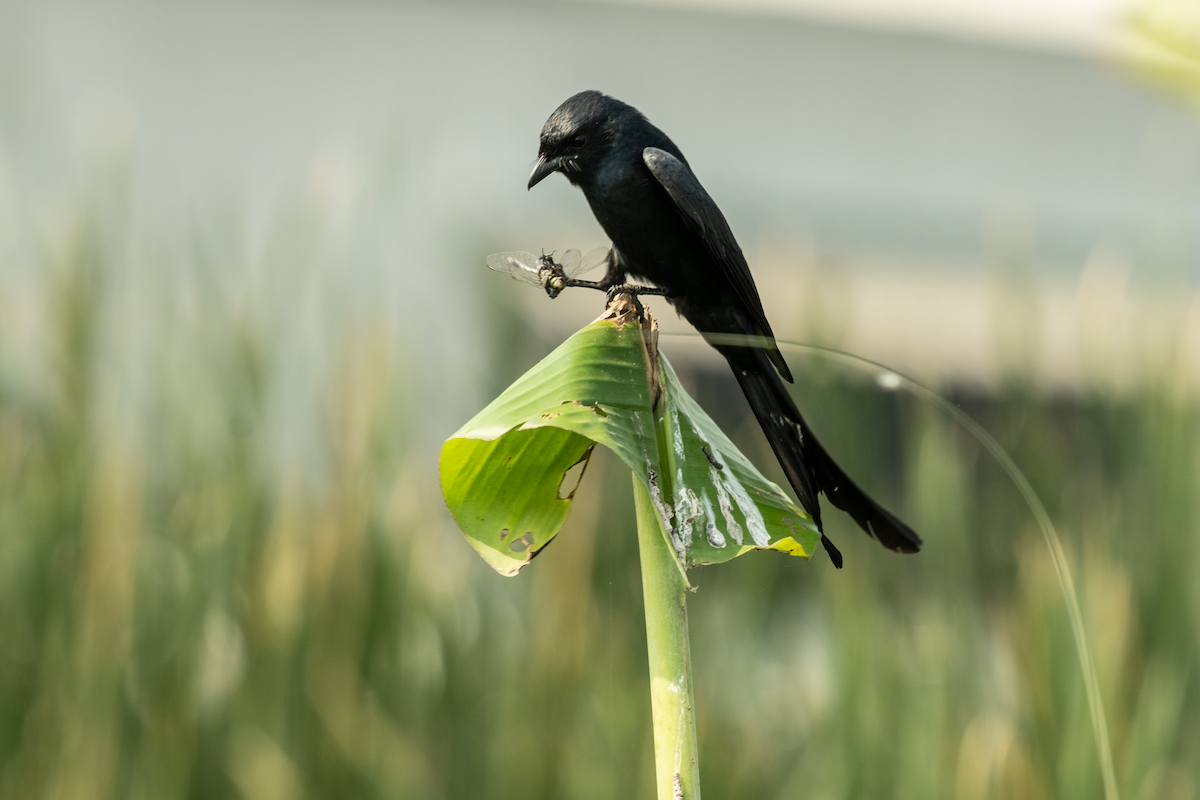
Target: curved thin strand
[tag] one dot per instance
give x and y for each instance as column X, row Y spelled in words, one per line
column 894, row 380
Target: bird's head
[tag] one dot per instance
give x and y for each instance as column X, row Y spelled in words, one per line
column 579, row 135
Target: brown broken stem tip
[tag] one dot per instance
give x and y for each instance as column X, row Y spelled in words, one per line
column 625, row 308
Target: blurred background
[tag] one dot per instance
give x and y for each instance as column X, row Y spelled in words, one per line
column 243, row 301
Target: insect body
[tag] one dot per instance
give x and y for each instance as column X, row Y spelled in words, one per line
column 544, row 271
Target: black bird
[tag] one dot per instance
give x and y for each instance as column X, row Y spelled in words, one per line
column 667, row 230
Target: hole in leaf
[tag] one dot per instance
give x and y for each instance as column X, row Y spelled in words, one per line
column 573, row 475
column 522, row 544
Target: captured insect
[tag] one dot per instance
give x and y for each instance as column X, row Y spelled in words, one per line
column 544, row 271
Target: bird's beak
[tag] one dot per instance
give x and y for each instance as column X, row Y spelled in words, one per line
column 543, row 168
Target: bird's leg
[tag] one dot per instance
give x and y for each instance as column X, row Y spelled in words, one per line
column 584, row 284
column 631, row 289
column 613, row 282
column 554, row 279
column 613, row 289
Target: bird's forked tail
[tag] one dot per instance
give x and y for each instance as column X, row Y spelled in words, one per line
column 808, row 467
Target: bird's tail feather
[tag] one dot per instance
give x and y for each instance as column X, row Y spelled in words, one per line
column 808, row 467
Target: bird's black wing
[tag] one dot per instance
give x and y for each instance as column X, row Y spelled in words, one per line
column 705, row 219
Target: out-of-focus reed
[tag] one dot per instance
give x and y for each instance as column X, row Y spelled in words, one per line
column 226, row 569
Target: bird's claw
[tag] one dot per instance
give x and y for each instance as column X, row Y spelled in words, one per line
column 619, row 289
column 611, row 293
column 632, row 289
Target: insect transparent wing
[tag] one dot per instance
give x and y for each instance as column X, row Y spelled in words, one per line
column 593, row 259
column 520, row 265
column 570, row 263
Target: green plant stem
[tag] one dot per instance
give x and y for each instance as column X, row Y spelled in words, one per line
column 664, row 592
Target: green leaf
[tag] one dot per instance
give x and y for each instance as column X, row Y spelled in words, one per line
column 507, row 474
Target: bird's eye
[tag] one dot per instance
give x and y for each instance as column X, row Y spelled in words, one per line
column 578, row 141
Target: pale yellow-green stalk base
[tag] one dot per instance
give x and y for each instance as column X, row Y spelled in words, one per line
column 664, row 592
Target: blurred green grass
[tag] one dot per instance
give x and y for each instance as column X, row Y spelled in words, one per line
column 226, row 569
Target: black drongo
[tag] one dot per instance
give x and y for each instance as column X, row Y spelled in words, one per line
column 667, row 230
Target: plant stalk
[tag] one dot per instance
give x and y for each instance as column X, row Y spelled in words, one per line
column 664, row 592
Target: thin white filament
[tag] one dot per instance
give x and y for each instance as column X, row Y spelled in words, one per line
column 893, row 380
